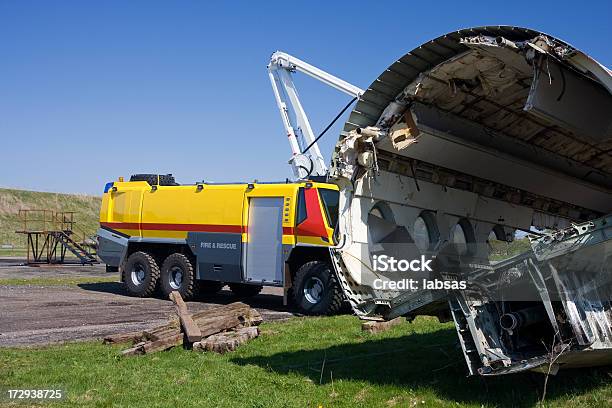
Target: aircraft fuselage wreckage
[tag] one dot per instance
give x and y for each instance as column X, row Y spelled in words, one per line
column 484, row 136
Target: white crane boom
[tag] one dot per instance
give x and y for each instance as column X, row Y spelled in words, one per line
column 281, row 66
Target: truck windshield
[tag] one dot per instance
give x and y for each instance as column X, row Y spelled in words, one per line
column 331, row 203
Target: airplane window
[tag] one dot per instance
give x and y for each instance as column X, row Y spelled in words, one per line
column 382, row 210
column 459, row 238
column 425, row 231
column 421, row 234
column 376, row 211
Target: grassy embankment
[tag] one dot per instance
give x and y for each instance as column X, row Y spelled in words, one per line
column 86, row 210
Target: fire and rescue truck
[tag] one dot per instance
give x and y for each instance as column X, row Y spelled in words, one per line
column 199, row 237
column 194, row 238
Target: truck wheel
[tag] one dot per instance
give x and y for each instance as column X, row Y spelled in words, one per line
column 208, row 287
column 244, row 290
column 177, row 275
column 316, row 290
column 140, row 274
column 155, row 179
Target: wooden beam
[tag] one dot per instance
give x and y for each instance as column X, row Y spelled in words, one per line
column 124, row 337
column 227, row 341
column 191, row 330
column 148, row 347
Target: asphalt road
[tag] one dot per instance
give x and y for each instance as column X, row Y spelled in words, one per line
column 37, row 315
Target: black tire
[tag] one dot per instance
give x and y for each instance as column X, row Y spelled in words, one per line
column 140, row 274
column 206, row 287
column 244, row 290
column 316, row 290
column 177, row 274
column 155, row 179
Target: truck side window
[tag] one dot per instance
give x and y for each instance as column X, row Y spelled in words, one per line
column 331, row 203
column 301, row 207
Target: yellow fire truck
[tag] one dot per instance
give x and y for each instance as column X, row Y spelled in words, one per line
column 197, row 238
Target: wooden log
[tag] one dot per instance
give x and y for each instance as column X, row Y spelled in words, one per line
column 148, row 347
column 139, row 336
column 227, row 341
column 134, row 350
column 160, row 334
column 190, row 328
column 377, row 327
column 162, row 331
column 124, row 338
column 249, row 318
column 221, row 311
column 162, row 344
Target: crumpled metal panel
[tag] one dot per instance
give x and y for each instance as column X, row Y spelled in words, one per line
column 571, row 270
column 418, row 60
column 579, row 260
column 560, row 98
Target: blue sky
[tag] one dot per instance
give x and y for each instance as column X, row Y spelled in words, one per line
column 90, row 91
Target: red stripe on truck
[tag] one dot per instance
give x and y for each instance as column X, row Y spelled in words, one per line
column 237, row 229
column 150, row 226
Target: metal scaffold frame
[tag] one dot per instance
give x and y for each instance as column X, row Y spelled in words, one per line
column 49, row 236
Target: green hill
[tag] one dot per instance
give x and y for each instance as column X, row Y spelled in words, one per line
column 86, row 209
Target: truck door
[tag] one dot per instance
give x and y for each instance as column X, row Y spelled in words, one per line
column 316, row 216
column 264, row 247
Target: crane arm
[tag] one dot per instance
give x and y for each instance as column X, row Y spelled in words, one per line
column 280, row 70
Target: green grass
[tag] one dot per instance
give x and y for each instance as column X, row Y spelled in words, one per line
column 501, row 250
column 60, row 281
column 15, row 251
column 86, row 210
column 412, row 365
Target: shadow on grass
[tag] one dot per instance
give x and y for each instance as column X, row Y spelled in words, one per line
column 224, row 297
column 430, row 361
